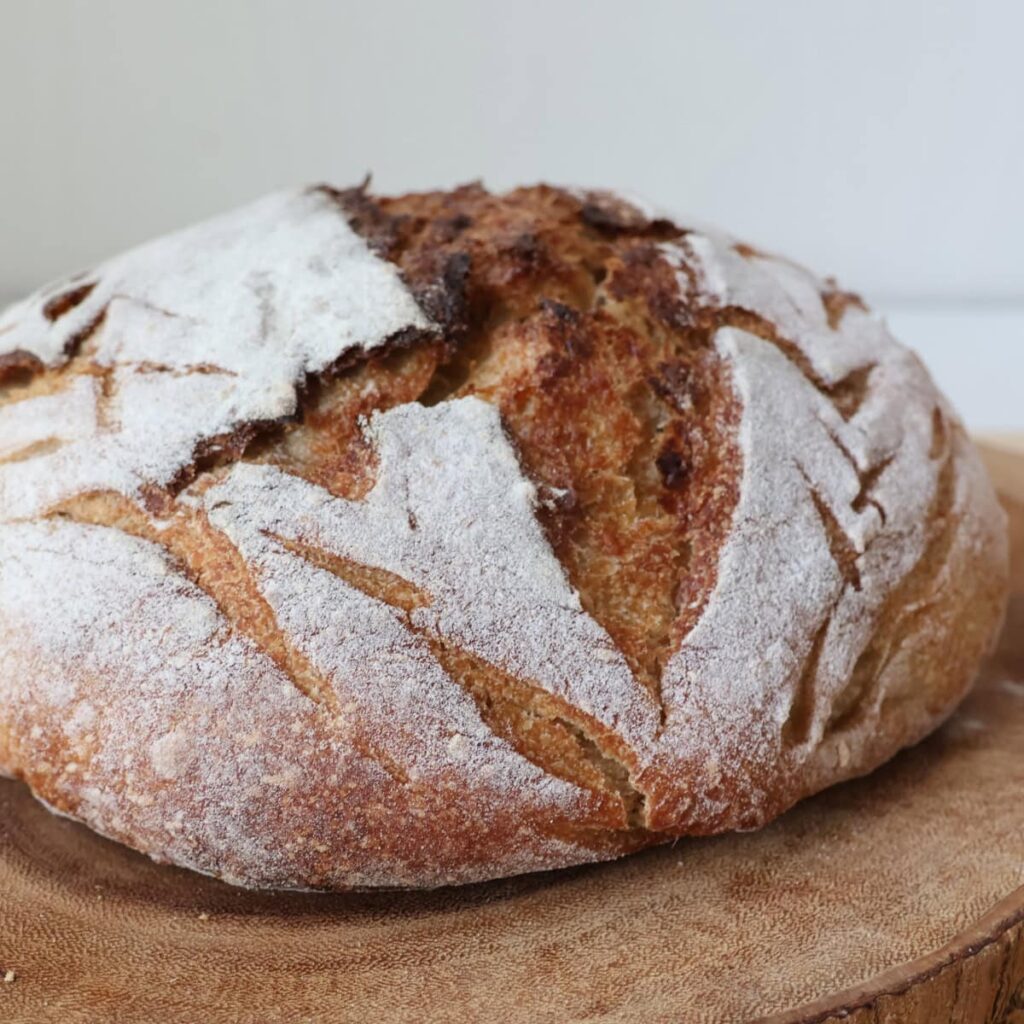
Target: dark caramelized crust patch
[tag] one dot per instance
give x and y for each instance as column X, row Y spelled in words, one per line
column 561, row 311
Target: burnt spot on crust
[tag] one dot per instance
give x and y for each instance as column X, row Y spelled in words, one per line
column 445, row 301
column 379, row 230
column 439, row 280
column 565, row 316
column 611, row 214
column 18, row 365
column 672, row 467
column 452, row 227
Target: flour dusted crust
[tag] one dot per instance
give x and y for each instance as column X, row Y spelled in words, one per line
column 349, row 541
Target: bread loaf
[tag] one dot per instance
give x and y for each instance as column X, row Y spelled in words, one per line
column 350, row 541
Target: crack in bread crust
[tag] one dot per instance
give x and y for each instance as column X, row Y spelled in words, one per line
column 205, row 557
column 905, row 603
column 277, row 296
column 846, row 395
column 551, row 733
column 842, row 548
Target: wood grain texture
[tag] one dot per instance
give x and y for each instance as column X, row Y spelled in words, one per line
column 895, row 898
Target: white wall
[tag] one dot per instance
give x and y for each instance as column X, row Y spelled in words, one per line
column 880, row 140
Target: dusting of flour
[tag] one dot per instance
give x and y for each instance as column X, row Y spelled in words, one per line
column 202, row 332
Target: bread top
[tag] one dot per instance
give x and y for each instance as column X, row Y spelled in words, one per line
column 349, row 540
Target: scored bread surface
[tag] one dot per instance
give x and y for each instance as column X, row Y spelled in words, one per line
column 349, row 541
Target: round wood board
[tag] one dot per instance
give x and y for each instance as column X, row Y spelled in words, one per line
column 899, row 897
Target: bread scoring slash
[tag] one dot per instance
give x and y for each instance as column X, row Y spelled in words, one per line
column 351, row 541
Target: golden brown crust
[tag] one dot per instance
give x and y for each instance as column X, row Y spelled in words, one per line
column 566, row 318
column 591, row 329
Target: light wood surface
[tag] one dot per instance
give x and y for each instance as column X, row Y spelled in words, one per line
column 896, row 898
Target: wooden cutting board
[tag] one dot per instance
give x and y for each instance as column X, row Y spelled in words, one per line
column 899, row 897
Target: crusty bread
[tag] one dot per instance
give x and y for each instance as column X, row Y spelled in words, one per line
column 349, row 541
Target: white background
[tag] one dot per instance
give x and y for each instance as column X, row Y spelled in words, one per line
column 882, row 140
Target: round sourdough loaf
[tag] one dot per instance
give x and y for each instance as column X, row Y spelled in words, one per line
column 350, row 541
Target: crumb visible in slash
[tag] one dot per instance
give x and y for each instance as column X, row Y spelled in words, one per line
column 204, row 916
column 9, row 976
